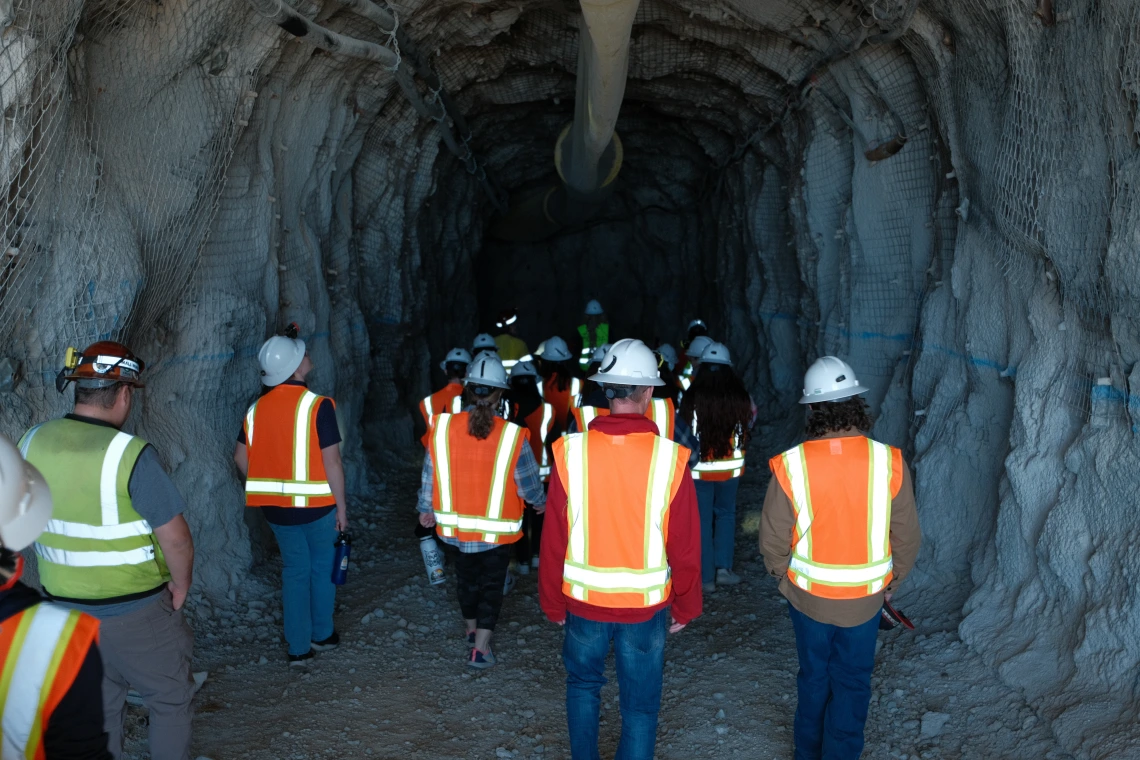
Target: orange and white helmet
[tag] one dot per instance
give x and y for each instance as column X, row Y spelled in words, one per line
column 101, row 365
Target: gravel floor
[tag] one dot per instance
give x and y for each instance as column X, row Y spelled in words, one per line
column 398, row 685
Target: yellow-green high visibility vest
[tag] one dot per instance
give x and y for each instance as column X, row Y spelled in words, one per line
column 96, row 545
column 602, row 336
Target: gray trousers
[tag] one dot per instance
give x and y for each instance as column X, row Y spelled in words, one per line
column 149, row 650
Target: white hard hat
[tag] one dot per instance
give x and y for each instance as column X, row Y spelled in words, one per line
column 629, row 362
column 524, row 369
column 485, row 340
column 593, row 308
column 455, row 356
column 716, row 353
column 25, row 500
column 698, row 346
column 485, row 354
column 830, row 379
column 697, row 322
column 669, row 354
column 279, row 358
column 486, row 369
column 600, row 352
column 554, row 349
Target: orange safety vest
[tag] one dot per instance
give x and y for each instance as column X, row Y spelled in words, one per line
column 717, row 470
column 618, row 493
column 841, row 491
column 660, row 413
column 285, row 464
column 42, row 650
column 562, row 401
column 437, row 403
column 539, row 423
column 475, row 497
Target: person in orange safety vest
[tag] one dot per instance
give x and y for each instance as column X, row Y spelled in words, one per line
column 530, row 411
column 840, row 531
column 478, row 476
column 455, row 366
column 561, row 387
column 51, row 672
column 620, row 555
column 289, row 453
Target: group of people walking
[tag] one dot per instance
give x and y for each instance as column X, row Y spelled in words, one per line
column 610, row 469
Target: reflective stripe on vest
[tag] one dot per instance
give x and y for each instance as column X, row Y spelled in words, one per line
column 299, row 487
column 457, row 404
column 733, row 465
column 806, row 569
column 96, row 546
column 491, row 523
column 652, row 579
column 544, row 432
column 661, row 413
column 32, row 659
column 575, row 392
column 430, row 412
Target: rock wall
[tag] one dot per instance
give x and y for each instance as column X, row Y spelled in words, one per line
column 940, row 190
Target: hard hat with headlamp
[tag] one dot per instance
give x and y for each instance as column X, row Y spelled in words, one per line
column 100, row 365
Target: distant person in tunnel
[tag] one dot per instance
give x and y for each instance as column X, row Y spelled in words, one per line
column 693, row 353
column 288, row 451
column 454, row 366
column 620, row 556
column 511, row 348
column 118, row 547
column 561, row 387
column 592, row 333
column 530, row 411
column 478, row 476
column 484, row 342
column 667, row 361
column 840, row 532
column 696, row 329
column 718, row 410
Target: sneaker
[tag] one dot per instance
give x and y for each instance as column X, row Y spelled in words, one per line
column 300, row 660
column 509, row 584
column 481, row 660
column 726, row 577
column 523, row 568
column 330, row 643
column 534, row 562
column 709, row 587
column 471, row 639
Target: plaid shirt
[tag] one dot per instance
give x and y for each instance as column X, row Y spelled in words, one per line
column 527, row 479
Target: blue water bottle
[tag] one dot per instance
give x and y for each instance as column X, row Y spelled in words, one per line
column 343, row 546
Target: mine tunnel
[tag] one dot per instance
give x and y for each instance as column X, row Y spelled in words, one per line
column 936, row 191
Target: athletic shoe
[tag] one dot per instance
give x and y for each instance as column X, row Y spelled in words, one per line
column 481, row 660
column 330, row 643
column 509, row 583
column 523, row 568
column 300, row 660
column 726, row 577
column 709, row 587
column 471, row 639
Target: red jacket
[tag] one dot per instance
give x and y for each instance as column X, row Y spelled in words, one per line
column 683, row 547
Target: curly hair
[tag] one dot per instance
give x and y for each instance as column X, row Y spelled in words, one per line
column 837, row 416
column 723, row 409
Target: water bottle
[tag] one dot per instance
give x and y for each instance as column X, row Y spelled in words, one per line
column 343, row 545
column 433, row 558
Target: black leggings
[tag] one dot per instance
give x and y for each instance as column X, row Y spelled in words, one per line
column 480, row 579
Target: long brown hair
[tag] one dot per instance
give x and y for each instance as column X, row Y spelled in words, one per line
column 482, row 419
column 837, row 416
column 723, row 408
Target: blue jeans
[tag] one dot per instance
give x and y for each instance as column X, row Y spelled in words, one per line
column 834, row 687
column 307, row 590
column 639, row 649
column 716, row 501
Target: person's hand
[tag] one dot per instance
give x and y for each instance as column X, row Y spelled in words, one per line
column 427, row 519
column 560, row 622
column 341, row 519
column 540, row 510
column 676, row 627
column 888, row 596
column 177, row 595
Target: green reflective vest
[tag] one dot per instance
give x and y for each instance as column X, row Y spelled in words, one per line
column 602, row 336
column 96, row 545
